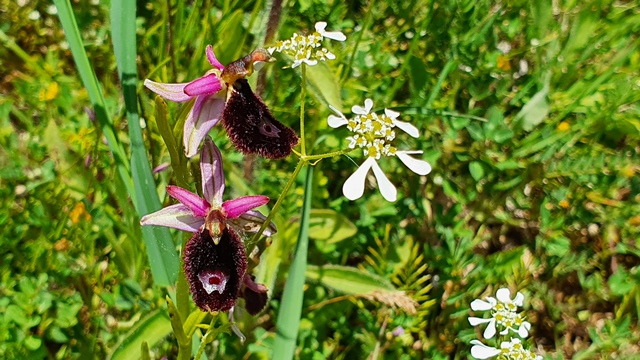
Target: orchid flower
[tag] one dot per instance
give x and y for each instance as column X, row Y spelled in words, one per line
column 209, row 102
column 215, row 257
column 224, row 95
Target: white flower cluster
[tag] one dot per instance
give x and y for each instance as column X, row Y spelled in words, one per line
column 504, row 316
column 308, row 49
column 371, row 134
column 509, row 350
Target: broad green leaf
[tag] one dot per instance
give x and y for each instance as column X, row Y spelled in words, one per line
column 621, row 283
column 477, row 170
column 230, row 34
column 533, row 112
column 348, row 280
column 475, row 131
column 153, row 328
column 502, row 135
column 419, row 74
column 328, row 226
column 508, row 184
column 324, row 84
column 557, row 246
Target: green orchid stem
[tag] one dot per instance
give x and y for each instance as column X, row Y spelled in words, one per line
column 311, row 160
column 275, row 208
column 303, row 71
column 324, row 156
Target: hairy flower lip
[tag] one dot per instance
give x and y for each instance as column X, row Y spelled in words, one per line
column 225, row 263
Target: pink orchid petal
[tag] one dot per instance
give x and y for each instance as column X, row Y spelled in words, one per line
column 206, row 85
column 236, row 207
column 251, row 221
column 173, row 92
column 212, row 173
column 176, row 216
column 212, row 58
column 203, row 117
column 198, row 206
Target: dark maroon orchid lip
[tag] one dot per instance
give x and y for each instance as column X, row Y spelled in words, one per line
column 215, row 272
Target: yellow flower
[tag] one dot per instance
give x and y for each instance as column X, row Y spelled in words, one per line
column 564, row 204
column 50, row 92
column 78, row 213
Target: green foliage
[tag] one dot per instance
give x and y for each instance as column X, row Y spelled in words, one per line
column 528, row 113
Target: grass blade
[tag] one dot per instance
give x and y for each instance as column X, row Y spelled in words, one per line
column 151, row 330
column 163, row 258
column 88, row 76
column 291, row 306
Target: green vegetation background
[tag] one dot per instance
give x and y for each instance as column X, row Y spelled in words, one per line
column 530, row 115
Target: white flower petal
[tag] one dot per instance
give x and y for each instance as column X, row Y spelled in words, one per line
column 482, row 351
column 368, row 105
column 387, row 189
column 353, row 188
column 504, row 295
column 320, row 26
column 337, row 121
column 519, row 300
column 481, row 305
column 334, row 35
column 310, row 62
column 407, row 127
column 490, row 331
column 524, row 329
column 475, row 321
column 418, row 166
column 391, row 113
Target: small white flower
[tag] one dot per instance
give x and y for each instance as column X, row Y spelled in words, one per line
column 482, row 351
column 371, row 134
column 509, row 350
column 308, row 49
column 503, row 314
